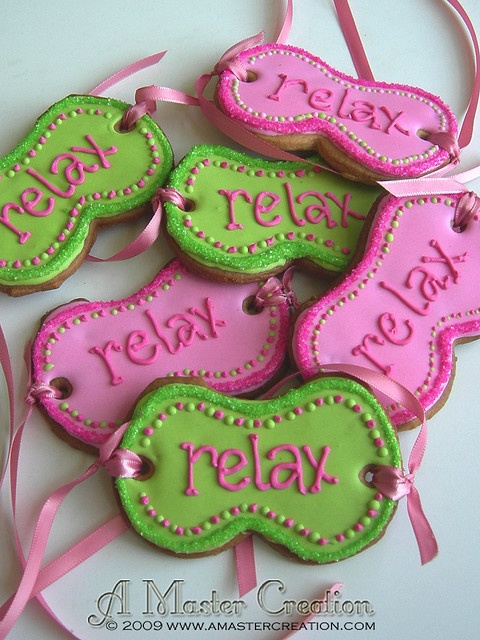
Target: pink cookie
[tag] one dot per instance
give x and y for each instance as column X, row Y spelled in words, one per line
column 98, row 356
column 408, row 301
column 366, row 130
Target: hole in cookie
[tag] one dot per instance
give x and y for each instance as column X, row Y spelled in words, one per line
column 421, row 133
column 148, row 469
column 62, row 385
column 189, row 205
column 251, row 76
column 458, row 228
column 366, row 475
column 250, row 307
column 121, row 128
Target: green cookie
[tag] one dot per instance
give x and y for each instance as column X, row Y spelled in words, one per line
column 76, row 170
column 294, row 469
column 246, row 217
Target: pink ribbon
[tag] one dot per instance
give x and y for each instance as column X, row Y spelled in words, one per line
column 393, row 481
column 466, row 131
column 466, row 209
column 127, row 71
column 72, row 558
column 124, row 464
column 146, row 99
column 447, row 141
column 273, row 292
column 245, row 566
column 353, row 40
column 169, row 194
column 6, row 365
column 138, row 245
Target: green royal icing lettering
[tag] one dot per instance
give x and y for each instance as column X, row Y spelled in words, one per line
column 290, row 469
column 248, row 216
column 74, row 169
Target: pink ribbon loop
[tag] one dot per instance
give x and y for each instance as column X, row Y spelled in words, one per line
column 467, row 208
column 123, row 464
column 229, row 59
column 392, row 482
column 274, row 292
column 447, row 141
column 146, row 99
column 41, row 390
column 169, row 194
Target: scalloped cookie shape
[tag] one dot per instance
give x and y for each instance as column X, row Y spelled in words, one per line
column 76, row 170
column 404, row 306
column 291, row 469
column 366, row 130
column 99, row 356
column 245, row 217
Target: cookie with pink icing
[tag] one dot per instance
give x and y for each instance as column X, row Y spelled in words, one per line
column 77, row 170
column 408, row 301
column 294, row 469
column 91, row 360
column 366, row 130
column 238, row 218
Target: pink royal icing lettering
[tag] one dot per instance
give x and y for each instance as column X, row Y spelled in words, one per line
column 295, row 468
column 366, row 130
column 101, row 355
column 403, row 307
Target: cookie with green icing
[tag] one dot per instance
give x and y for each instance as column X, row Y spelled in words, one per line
column 299, row 470
column 75, row 171
column 238, row 217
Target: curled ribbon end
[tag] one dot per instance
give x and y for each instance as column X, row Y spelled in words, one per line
column 394, row 484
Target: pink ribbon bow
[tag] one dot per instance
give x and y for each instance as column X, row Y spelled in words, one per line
column 391, row 481
column 275, row 292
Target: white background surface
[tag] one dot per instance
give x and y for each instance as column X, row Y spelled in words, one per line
column 52, row 49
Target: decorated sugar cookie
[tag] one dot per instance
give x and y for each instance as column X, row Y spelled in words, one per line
column 75, row 171
column 299, row 470
column 406, row 304
column 91, row 360
column 244, row 217
column 366, row 130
